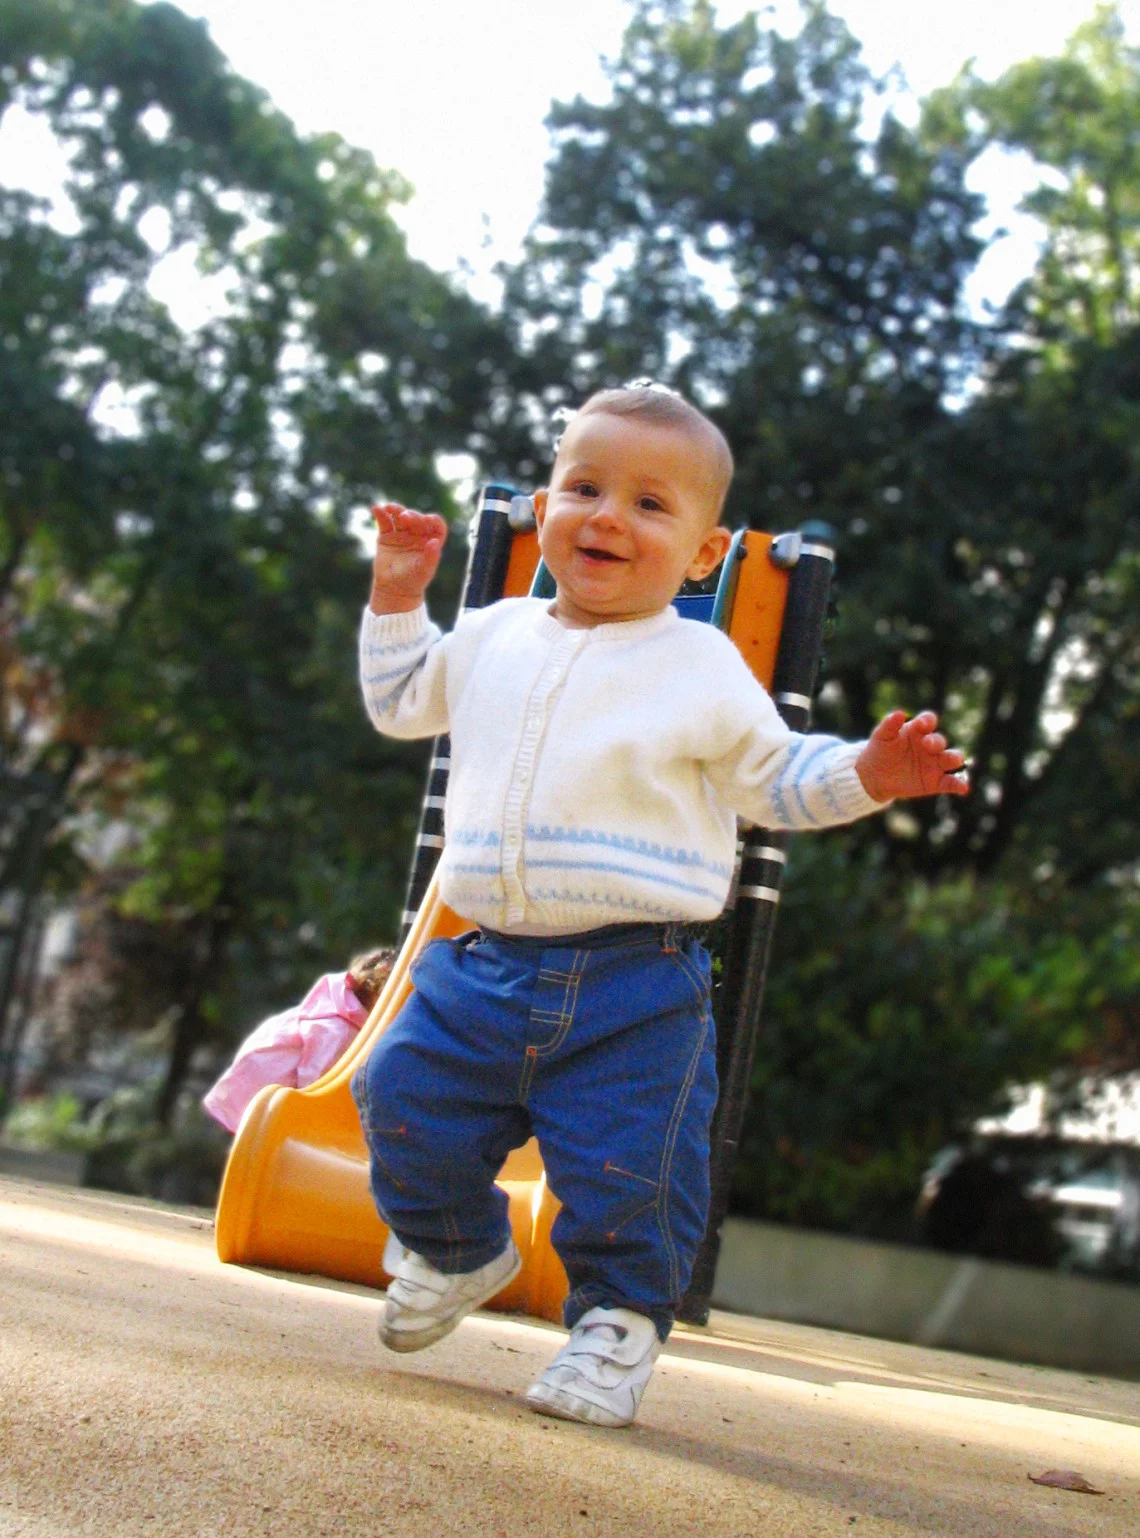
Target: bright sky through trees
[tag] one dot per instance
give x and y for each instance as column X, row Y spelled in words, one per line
column 454, row 94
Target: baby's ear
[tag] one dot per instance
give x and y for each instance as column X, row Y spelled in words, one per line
column 710, row 553
column 539, row 501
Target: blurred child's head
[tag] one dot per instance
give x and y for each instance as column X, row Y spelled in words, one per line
column 368, row 972
column 633, row 506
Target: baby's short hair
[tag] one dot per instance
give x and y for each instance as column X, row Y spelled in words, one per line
column 658, row 403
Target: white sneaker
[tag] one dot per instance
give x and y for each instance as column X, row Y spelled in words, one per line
column 600, row 1374
column 424, row 1305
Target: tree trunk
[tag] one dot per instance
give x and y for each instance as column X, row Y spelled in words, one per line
column 23, row 999
column 188, row 1029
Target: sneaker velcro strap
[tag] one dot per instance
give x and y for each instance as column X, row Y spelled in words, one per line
column 636, row 1336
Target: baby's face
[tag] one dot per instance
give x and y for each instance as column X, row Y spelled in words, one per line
column 630, row 513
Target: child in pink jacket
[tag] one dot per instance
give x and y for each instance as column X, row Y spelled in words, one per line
column 303, row 1042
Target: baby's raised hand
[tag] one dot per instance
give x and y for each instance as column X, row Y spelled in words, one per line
column 408, row 546
column 904, row 759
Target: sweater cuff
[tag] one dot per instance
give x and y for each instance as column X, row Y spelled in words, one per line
column 395, row 629
column 848, row 787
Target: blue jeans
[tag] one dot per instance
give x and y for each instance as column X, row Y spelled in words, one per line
column 601, row 1045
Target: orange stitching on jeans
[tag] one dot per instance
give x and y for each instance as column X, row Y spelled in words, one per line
column 375, row 1158
column 617, row 1169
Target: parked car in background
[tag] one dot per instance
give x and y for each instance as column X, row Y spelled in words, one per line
column 1096, row 1206
column 1037, row 1199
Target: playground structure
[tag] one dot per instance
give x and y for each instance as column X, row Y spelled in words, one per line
column 295, row 1194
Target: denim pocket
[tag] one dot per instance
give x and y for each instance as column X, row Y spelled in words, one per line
column 694, row 962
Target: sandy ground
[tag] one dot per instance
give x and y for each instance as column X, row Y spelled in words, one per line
column 147, row 1390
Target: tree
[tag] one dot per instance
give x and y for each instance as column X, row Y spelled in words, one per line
column 735, row 220
column 179, row 582
column 1075, row 117
column 727, row 221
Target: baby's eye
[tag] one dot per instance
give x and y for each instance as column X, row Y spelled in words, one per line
column 585, row 488
column 651, row 504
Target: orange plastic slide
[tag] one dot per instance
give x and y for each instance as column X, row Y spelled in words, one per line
column 295, row 1194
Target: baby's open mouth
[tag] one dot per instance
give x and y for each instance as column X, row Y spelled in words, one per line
column 598, row 555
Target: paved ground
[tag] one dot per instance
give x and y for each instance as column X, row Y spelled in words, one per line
column 147, row 1390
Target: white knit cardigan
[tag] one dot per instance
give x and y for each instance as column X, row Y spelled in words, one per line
column 596, row 775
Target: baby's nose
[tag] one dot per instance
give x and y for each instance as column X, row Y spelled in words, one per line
column 606, row 510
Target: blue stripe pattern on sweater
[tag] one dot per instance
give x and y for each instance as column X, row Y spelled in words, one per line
column 796, row 777
column 662, row 853
column 630, row 872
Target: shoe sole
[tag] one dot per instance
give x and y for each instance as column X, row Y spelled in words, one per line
column 569, row 1407
column 417, row 1340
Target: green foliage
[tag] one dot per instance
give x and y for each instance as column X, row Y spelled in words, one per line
column 179, row 583
column 894, row 1022
column 1035, row 488
column 734, row 221
column 180, row 1158
column 126, row 1146
column 1075, row 116
column 50, row 1122
column 726, row 222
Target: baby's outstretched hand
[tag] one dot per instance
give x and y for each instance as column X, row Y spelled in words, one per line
column 408, row 546
column 910, row 758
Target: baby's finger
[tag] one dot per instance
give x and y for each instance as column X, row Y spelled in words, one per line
column 921, row 725
column 410, row 520
column 435, row 527
column 934, row 742
column 890, row 726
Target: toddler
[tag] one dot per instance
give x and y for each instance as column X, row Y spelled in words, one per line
column 602, row 749
column 299, row 1045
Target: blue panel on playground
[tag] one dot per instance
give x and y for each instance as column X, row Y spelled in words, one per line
column 695, row 605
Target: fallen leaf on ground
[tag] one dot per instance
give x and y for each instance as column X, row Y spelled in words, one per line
column 1065, row 1479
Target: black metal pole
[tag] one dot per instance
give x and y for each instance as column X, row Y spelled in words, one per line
column 810, row 556
column 483, row 583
